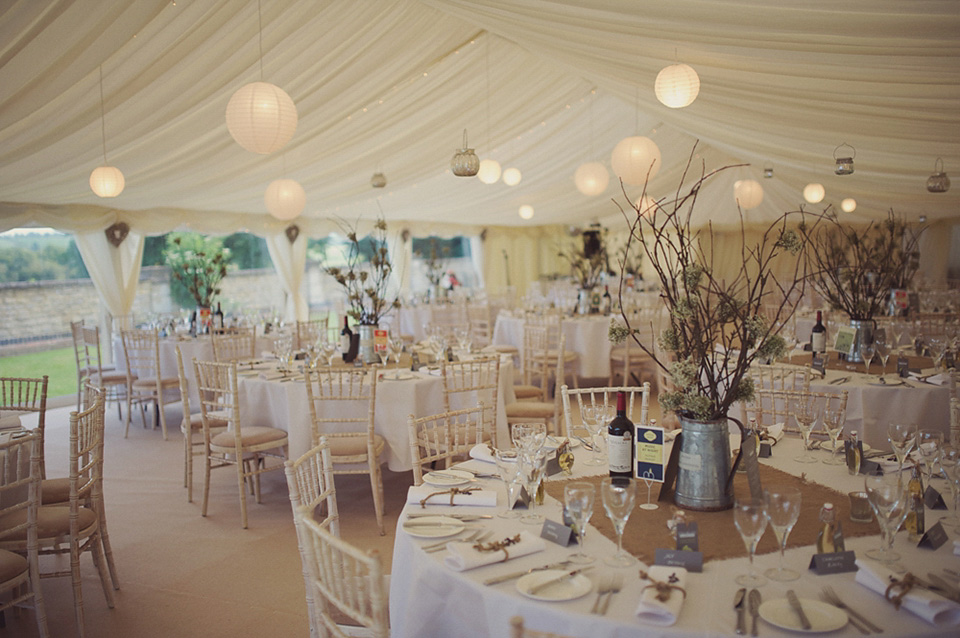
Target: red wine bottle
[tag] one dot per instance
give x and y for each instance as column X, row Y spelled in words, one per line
column 620, row 448
column 345, row 335
column 818, row 336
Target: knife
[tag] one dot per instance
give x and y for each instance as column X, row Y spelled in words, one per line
column 738, row 604
column 462, row 517
column 948, row 590
column 754, row 599
column 797, row 607
column 430, row 524
column 502, row 579
column 553, row 581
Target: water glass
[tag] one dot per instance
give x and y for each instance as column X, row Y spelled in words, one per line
column 883, row 351
column 804, row 412
column 508, row 465
column 890, row 500
column 782, row 506
column 588, row 415
column 750, row 517
column 396, row 348
column 528, row 437
column 903, row 436
column 929, row 443
column 618, row 497
column 578, row 502
column 532, row 466
column 867, row 352
column 833, row 418
column 949, row 459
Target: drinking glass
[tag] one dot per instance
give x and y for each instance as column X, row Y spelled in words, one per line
column 929, row 443
column 903, row 436
column 782, row 506
column 528, row 437
column 508, row 465
column 396, row 348
column 938, row 345
column 889, row 499
column 897, row 327
column 867, row 352
column 750, row 517
column 833, row 418
column 589, row 417
column 618, row 497
column 883, row 351
column 532, row 466
column 804, row 410
column 949, row 459
column 578, row 501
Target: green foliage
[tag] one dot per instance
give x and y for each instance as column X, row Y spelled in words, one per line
column 197, row 266
column 366, row 283
column 59, row 365
column 40, row 258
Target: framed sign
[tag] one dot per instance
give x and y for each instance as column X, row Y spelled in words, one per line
column 649, row 455
column 845, row 338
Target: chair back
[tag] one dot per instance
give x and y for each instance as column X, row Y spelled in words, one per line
column 341, row 402
column 141, row 349
column 20, row 486
column 219, row 398
column 481, row 326
column 308, row 332
column 593, row 397
column 467, row 384
column 781, row 377
column 86, row 454
column 236, row 345
column 20, row 395
column 442, row 437
column 534, row 361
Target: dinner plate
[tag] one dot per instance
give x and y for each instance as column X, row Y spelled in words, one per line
column 398, row 375
column 822, row 617
column 433, row 526
column 568, row 589
column 889, row 384
column 446, row 478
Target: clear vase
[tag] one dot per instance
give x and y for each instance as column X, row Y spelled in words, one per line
column 367, row 351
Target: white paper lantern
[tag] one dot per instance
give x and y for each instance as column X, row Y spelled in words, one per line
column 285, row 198
column 512, row 176
column 489, row 171
column 848, row 205
column 261, row 117
column 814, row 193
column 526, row 211
column 677, row 86
column 107, row 181
column 591, row 178
column 748, row 193
column 635, row 159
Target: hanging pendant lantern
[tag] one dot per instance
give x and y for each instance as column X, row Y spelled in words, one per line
column 107, row 181
column 844, row 164
column 814, row 193
column 768, row 172
column 285, row 198
column 465, row 162
column 647, row 206
column 591, row 178
column 378, row 180
column 677, row 86
column 748, row 193
column 636, row 159
column 261, row 117
column 526, row 211
column 938, row 182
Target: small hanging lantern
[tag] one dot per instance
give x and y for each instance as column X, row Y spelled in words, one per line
column 591, row 178
column 465, row 162
column 526, row 211
column 489, row 171
column 768, row 172
column 512, row 176
column 938, row 182
column 636, row 159
column 108, row 181
column 848, row 205
column 844, row 164
column 261, row 117
column 285, row 198
column 677, row 86
column 378, row 180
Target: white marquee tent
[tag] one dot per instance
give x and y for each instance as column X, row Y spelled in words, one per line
column 540, row 85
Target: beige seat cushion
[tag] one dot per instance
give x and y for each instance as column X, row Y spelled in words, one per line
column 11, row 565
column 196, row 422
column 165, row 382
column 52, row 521
column 505, row 349
column 523, row 391
column 110, row 378
column 56, row 491
column 250, row 435
column 530, row 409
column 353, row 445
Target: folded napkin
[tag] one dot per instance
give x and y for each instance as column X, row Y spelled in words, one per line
column 935, row 609
column 271, row 375
column 9, row 422
column 661, row 581
column 956, row 548
column 435, row 371
column 936, row 379
column 479, row 498
column 775, row 431
column 482, row 452
column 463, row 556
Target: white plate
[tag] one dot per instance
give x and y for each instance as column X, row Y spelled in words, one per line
column 822, row 617
column 568, row 589
column 889, row 384
column 398, row 375
column 433, row 526
column 446, row 478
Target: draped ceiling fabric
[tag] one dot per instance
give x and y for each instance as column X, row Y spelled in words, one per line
column 390, row 85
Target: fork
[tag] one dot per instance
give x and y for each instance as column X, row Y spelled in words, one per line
column 473, row 533
column 603, row 587
column 830, row 596
column 469, row 539
column 614, row 589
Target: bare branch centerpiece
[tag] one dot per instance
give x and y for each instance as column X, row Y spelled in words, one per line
column 199, row 264
column 587, row 270
column 716, row 327
column 436, row 267
column 365, row 278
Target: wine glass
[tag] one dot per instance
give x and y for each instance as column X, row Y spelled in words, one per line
column 805, row 413
column 750, row 517
column 618, row 497
column 938, row 345
column 508, row 465
column 929, row 443
column 532, row 465
column 867, row 352
column 897, row 327
column 949, row 460
column 782, row 506
column 883, row 351
column 833, row 418
column 589, row 417
column 578, row 502
column 528, row 437
column 903, row 436
column 889, row 499
column 396, row 348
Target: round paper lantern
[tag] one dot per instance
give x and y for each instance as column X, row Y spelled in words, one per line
column 512, row 176
column 814, row 193
column 848, row 205
column 677, row 86
column 636, row 159
column 107, row 181
column 591, row 178
column 748, row 193
column 261, row 117
column 489, row 171
column 526, row 211
column 285, row 198
column 647, row 206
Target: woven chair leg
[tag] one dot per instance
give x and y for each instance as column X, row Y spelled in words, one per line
column 77, row 589
column 243, row 494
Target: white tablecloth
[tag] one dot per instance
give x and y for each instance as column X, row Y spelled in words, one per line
column 587, row 336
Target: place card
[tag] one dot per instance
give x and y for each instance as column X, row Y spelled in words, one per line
column 415, row 357
column 934, row 538
column 691, row 561
column 766, row 451
column 870, row 468
column 553, row 466
column 903, row 367
column 688, row 537
column 819, row 362
column 649, row 453
column 558, row 533
column 833, row 563
column 932, row 499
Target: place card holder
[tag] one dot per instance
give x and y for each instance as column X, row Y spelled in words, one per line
column 903, row 367
column 819, row 363
column 558, row 533
column 935, row 537
column 833, row 563
column 933, row 499
column 870, row 468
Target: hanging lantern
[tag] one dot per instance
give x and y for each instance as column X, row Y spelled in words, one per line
column 814, row 193
column 647, row 206
column 591, row 178
column 489, row 171
column 848, row 205
column 107, row 181
column 261, row 117
column 844, row 164
column 512, row 176
column 526, row 211
column 378, row 180
column 465, row 162
column 748, row 193
column 285, row 198
column 677, row 86
column 636, row 159
column 768, row 172
column 938, row 182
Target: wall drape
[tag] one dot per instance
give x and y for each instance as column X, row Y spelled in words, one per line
column 290, row 261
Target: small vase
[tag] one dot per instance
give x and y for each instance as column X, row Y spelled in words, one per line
column 703, row 476
column 367, row 352
column 584, row 301
column 864, row 334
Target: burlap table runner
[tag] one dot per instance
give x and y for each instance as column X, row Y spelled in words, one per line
column 647, row 530
column 914, row 363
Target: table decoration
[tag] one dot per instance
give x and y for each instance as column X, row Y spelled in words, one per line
column 197, row 264
column 588, row 270
column 662, row 598
column 465, row 555
column 424, row 495
column 899, row 592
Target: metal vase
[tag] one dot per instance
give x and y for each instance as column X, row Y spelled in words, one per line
column 864, row 328
column 704, row 470
column 367, row 352
column 583, row 301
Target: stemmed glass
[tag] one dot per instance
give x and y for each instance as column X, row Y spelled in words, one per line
column 396, row 348
column 508, row 465
column 578, row 502
column 782, row 506
column 589, row 417
column 750, row 518
column 618, row 498
column 938, row 345
column 929, row 443
column 528, row 437
column 867, row 352
column 804, row 411
column 903, row 436
column 889, row 498
column 897, row 327
column 883, row 351
column 283, row 349
column 833, row 418
column 462, row 335
column 949, row 460
column 532, row 465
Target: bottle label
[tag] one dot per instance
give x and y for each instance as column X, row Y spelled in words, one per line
column 818, row 341
column 344, row 343
column 619, row 450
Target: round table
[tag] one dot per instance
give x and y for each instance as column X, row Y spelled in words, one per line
column 587, row 336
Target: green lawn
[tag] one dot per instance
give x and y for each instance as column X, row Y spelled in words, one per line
column 60, row 365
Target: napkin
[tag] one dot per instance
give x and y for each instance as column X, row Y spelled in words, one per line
column 663, row 613
column 9, row 422
column 271, row 375
column 956, row 548
column 936, row 379
column 482, row 452
column 462, row 556
column 479, row 498
column 935, row 609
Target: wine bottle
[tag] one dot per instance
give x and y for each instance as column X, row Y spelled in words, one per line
column 620, row 449
column 818, row 336
column 218, row 318
column 828, row 528
column 914, row 523
column 346, row 334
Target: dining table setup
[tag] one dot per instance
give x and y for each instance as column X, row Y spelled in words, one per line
column 585, row 335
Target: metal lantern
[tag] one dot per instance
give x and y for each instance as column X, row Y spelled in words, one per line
column 465, row 162
column 285, row 198
column 261, row 117
column 748, row 193
column 636, row 159
column 677, row 86
column 591, row 178
column 378, row 180
column 844, row 164
column 108, row 181
column 938, row 182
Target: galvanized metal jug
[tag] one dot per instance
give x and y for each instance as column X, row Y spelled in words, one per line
column 864, row 328
column 704, row 480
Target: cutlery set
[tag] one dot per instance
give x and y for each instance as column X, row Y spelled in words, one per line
column 829, row 596
column 539, row 587
column 474, row 536
column 744, row 602
column 511, row 576
column 608, row 586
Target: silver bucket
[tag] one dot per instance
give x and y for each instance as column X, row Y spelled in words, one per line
column 864, row 334
column 704, row 470
column 367, row 352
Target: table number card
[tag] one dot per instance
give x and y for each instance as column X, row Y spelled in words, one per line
column 844, row 340
column 649, row 454
column 903, row 366
column 935, row 537
column 833, row 563
column 379, row 341
column 933, row 499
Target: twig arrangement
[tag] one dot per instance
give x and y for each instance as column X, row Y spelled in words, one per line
column 366, row 288
column 200, row 268
column 435, row 265
column 587, row 271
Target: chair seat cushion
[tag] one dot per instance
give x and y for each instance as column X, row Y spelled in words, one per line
column 109, row 378
column 505, row 349
column 52, row 521
column 523, row 391
column 196, row 422
column 530, row 409
column 11, row 565
column 249, row 435
column 56, row 490
column 354, row 445
column 165, row 382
